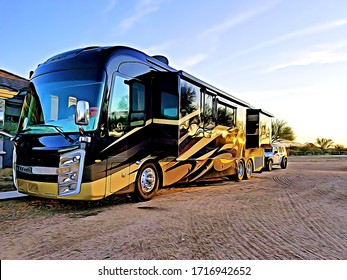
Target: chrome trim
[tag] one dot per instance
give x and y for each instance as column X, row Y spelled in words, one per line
column 148, row 180
column 66, row 168
column 86, row 139
column 40, row 170
column 60, row 150
column 82, row 113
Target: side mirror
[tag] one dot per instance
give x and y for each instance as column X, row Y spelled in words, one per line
column 82, row 113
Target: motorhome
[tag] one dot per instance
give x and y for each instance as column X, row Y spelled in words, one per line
column 99, row 121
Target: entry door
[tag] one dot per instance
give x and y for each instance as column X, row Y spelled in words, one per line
column 118, row 128
column 127, row 127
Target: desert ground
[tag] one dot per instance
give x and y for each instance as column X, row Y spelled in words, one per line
column 296, row 213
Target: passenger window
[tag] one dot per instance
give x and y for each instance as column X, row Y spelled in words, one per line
column 138, row 97
column 230, row 117
column 225, row 115
column 119, row 108
column 190, row 98
column 209, row 122
column 169, row 105
column 137, row 110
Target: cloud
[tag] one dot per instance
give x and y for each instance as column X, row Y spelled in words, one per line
column 142, row 9
column 163, row 47
column 324, row 54
column 292, row 35
column 212, row 35
column 222, row 27
column 190, row 62
column 111, row 4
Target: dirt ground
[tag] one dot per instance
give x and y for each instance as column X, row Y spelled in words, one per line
column 297, row 213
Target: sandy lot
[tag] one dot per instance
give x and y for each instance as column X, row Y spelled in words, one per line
column 297, row 213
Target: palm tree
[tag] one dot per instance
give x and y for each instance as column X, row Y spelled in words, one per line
column 281, row 131
column 324, row 143
column 339, row 147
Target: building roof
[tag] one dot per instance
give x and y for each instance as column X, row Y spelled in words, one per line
column 10, row 84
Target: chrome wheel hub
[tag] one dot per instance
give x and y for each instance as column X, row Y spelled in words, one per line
column 240, row 169
column 249, row 168
column 148, row 180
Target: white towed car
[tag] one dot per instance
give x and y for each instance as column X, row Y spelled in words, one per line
column 276, row 155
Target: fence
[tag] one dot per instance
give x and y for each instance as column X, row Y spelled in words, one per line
column 316, row 153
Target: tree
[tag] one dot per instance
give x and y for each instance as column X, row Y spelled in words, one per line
column 281, row 131
column 324, row 143
column 339, row 147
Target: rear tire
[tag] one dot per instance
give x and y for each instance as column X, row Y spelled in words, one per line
column 284, row 163
column 269, row 165
column 248, row 170
column 147, row 182
column 240, row 171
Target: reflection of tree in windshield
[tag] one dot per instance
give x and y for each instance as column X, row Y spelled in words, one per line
column 31, row 110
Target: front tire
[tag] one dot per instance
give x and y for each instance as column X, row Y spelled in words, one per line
column 147, row 182
column 284, row 163
column 269, row 165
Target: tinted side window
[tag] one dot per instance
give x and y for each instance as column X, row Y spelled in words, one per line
column 137, row 97
column 119, row 105
column 225, row 115
column 190, row 98
column 169, row 105
column 209, row 122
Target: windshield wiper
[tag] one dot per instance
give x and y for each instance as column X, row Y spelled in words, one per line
column 57, row 128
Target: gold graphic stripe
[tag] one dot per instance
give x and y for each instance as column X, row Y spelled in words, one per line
column 177, row 122
column 127, row 134
column 201, row 143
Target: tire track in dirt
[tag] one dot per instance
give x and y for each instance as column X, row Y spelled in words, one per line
column 208, row 222
column 271, row 236
column 246, row 226
column 265, row 223
column 304, row 214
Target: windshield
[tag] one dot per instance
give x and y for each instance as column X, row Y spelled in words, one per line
column 51, row 100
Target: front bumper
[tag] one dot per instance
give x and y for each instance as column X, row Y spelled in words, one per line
column 89, row 191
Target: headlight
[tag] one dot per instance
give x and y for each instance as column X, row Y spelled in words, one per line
column 71, row 165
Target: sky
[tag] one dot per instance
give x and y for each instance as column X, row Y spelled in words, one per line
column 288, row 57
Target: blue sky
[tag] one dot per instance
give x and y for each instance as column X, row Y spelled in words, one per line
column 288, row 57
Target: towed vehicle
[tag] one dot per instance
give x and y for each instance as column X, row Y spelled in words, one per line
column 276, row 154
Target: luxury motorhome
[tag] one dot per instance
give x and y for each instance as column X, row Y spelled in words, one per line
column 112, row 120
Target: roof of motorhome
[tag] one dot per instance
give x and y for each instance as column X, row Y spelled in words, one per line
column 93, row 57
column 105, row 52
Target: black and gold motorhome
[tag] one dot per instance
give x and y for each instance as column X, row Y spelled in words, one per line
column 112, row 120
